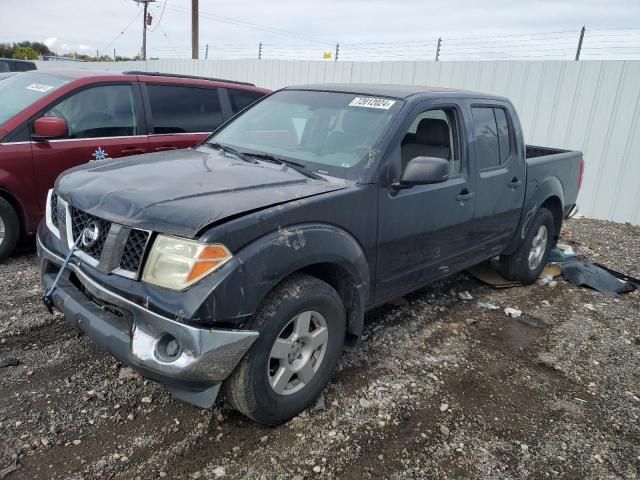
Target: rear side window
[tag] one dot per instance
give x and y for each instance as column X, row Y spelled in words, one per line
column 241, row 99
column 4, row 66
column 492, row 136
column 178, row 109
column 24, row 66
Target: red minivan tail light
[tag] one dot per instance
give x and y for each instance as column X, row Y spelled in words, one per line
column 581, row 173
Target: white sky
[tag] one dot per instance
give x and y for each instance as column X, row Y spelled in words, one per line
column 371, row 29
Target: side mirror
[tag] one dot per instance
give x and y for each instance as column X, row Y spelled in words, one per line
column 48, row 128
column 423, row 171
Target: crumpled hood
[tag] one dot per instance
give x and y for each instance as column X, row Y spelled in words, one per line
column 180, row 192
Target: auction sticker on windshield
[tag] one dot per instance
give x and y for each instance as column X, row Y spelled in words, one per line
column 372, row 102
column 39, row 87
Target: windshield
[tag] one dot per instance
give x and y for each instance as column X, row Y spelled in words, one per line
column 327, row 132
column 19, row 91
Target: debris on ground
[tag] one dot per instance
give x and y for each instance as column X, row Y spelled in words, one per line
column 320, row 405
column 546, row 280
column 487, row 273
column 512, row 312
column 590, row 275
column 465, row 295
column 488, row 306
column 9, row 362
column 562, row 253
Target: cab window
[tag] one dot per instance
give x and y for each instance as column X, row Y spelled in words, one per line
column 102, row 111
column 492, row 136
column 433, row 134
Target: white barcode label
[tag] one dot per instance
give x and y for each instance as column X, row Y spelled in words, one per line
column 372, row 102
column 39, row 87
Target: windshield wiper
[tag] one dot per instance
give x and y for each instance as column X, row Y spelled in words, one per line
column 298, row 167
column 233, row 151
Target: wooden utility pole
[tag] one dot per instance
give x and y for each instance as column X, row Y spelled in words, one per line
column 144, row 26
column 194, row 29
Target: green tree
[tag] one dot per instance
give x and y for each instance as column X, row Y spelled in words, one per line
column 25, row 53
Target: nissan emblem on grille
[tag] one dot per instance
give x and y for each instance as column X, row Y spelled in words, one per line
column 91, row 234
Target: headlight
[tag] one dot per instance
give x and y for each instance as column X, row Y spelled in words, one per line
column 177, row 263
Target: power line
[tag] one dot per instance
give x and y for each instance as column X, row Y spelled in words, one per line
column 122, row 32
column 243, row 23
column 160, row 19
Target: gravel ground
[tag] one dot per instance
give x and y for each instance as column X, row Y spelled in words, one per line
column 441, row 388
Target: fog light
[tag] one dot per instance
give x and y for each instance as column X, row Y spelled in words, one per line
column 168, row 348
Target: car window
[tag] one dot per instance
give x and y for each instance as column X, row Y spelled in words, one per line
column 241, row 99
column 504, row 135
column 23, row 67
column 4, row 66
column 492, row 136
column 178, row 109
column 486, row 137
column 433, row 134
column 102, row 111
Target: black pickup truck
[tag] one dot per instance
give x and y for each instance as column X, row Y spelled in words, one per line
column 249, row 262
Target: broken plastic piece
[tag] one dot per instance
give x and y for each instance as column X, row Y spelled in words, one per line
column 512, row 312
column 465, row 295
column 590, row 275
column 488, row 306
column 560, row 256
column 547, row 279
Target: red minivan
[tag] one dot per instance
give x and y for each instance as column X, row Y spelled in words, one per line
column 56, row 119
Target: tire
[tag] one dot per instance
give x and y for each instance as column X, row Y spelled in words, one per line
column 281, row 317
column 9, row 229
column 517, row 266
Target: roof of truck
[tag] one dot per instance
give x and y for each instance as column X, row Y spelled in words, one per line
column 388, row 90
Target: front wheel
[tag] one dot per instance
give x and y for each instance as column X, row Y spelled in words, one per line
column 528, row 261
column 302, row 326
column 9, row 229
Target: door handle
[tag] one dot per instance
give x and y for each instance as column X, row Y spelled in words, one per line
column 132, row 151
column 464, row 195
column 165, row 148
column 514, row 183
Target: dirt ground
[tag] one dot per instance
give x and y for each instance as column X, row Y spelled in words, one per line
column 442, row 388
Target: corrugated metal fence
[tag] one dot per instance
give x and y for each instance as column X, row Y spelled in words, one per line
column 593, row 106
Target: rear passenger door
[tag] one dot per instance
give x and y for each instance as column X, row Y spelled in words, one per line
column 181, row 116
column 500, row 169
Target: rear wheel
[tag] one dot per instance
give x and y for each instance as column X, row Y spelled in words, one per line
column 528, row 261
column 9, row 229
column 302, row 329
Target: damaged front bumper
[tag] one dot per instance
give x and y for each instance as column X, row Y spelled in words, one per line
column 190, row 362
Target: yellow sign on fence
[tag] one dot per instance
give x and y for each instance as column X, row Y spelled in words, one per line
column 327, row 55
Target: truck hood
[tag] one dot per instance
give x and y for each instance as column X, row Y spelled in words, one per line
column 183, row 191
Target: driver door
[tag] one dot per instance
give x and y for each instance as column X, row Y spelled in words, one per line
column 104, row 121
column 424, row 232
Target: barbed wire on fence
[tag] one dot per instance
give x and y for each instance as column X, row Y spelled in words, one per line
column 596, row 43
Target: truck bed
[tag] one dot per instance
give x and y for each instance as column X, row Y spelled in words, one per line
column 551, row 165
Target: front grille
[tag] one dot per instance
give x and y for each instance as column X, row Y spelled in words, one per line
column 134, row 250
column 54, row 210
column 79, row 221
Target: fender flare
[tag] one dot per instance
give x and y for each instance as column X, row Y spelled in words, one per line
column 537, row 195
column 265, row 262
